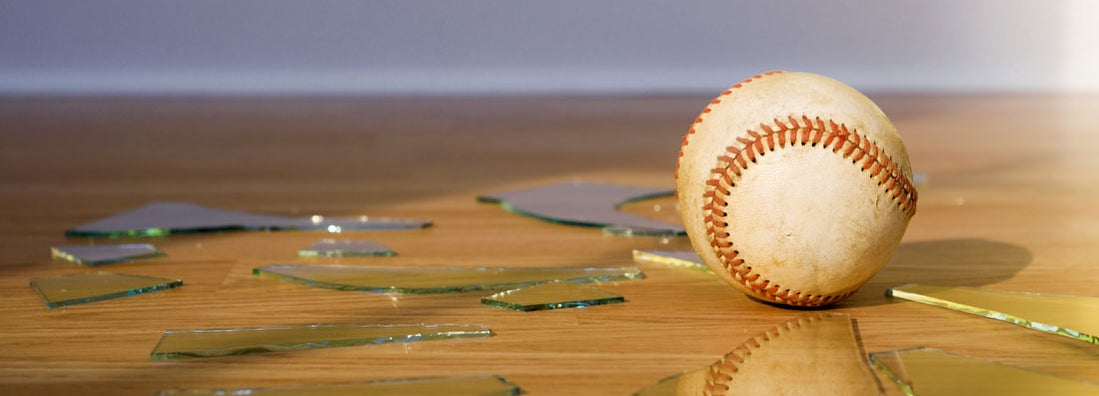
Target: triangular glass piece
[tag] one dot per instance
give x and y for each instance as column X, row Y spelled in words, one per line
column 81, row 288
column 586, row 204
column 678, row 258
column 818, row 354
column 931, row 372
column 678, row 385
column 436, row 280
column 166, row 218
column 178, row 344
column 552, row 295
column 477, row 385
column 346, row 248
column 1070, row 316
column 93, row 255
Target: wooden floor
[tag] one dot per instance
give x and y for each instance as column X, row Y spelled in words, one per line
column 1010, row 203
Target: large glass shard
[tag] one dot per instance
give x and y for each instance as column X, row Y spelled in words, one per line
column 678, row 258
column 586, row 204
column 344, row 248
column 1070, row 316
column 552, row 295
column 818, row 354
column 93, row 255
column 480, row 385
column 931, row 372
column 178, row 344
column 436, row 280
column 165, row 218
column 82, row 288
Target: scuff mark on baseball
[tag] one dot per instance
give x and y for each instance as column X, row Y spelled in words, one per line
column 794, row 188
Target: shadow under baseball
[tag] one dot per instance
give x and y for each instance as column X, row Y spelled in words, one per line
column 969, row 262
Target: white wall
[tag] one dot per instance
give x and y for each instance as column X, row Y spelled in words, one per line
column 559, row 46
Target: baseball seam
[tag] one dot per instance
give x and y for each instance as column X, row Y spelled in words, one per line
column 803, row 131
column 707, row 110
column 721, row 374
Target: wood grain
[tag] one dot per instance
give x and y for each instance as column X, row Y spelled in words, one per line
column 1009, row 205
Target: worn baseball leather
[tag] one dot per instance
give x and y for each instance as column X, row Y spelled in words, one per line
column 811, row 355
column 795, row 188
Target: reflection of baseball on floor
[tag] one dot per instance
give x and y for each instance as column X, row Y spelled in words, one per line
column 814, row 355
column 795, row 188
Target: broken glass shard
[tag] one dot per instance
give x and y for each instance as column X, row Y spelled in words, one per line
column 82, row 288
column 776, row 362
column 1070, row 316
column 105, row 254
column 165, row 218
column 178, row 344
column 926, row 371
column 670, row 386
column 345, row 248
column 552, row 295
column 407, row 280
column 676, row 258
column 479, row 385
column 587, row 204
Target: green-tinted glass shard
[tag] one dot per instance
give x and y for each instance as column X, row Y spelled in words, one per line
column 552, row 295
column 683, row 259
column 177, row 344
column 930, row 372
column 105, row 254
column 345, row 248
column 165, row 218
column 778, row 361
column 481, row 385
column 586, row 204
column 1070, row 316
column 81, row 288
column 436, row 280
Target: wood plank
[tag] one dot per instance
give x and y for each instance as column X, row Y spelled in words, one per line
column 1009, row 205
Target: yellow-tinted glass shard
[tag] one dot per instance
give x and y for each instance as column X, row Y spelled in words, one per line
column 1070, row 316
column 683, row 259
column 930, row 372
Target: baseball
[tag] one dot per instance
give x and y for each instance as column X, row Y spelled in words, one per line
column 794, row 188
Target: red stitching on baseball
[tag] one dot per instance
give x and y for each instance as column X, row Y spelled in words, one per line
column 721, row 375
column 796, row 131
column 708, row 109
